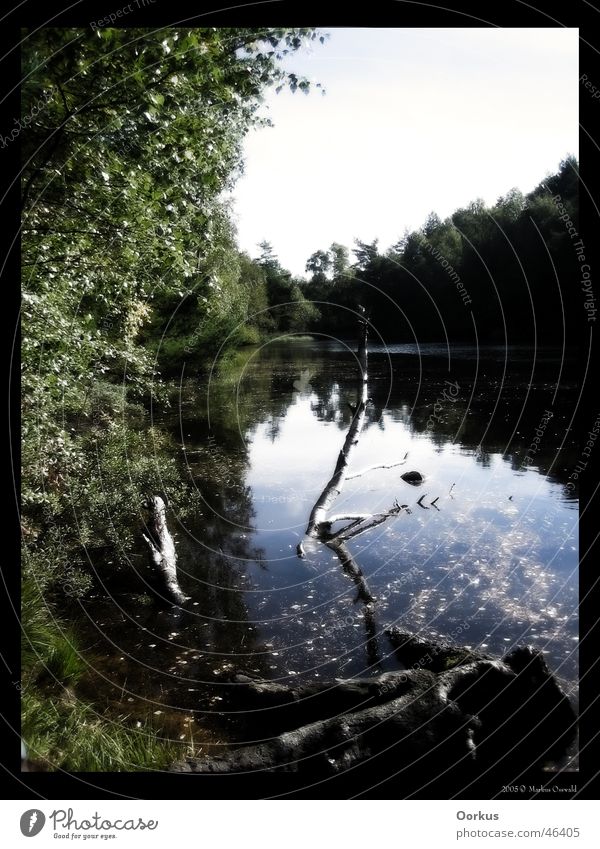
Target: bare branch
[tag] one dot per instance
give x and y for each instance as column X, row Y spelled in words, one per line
column 347, row 517
column 377, row 519
column 334, row 485
column 373, row 468
column 319, row 525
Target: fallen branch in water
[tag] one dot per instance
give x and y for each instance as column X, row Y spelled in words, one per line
column 319, row 525
column 373, row 468
column 356, row 528
column 324, row 502
column 162, row 551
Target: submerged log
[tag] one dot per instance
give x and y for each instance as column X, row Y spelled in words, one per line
column 510, row 714
column 162, row 552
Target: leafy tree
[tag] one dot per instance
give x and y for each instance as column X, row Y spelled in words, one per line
column 268, row 259
column 124, row 167
column 319, row 265
column 129, row 258
column 432, row 224
column 365, row 253
column 340, row 260
column 509, row 207
column 252, row 277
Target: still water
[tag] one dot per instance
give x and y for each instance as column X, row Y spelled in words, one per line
column 490, row 565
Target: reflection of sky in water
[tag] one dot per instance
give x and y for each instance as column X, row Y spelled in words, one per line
column 487, row 569
column 492, row 567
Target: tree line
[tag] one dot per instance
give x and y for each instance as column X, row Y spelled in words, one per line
column 486, row 274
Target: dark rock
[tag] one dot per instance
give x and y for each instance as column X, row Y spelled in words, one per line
column 414, row 478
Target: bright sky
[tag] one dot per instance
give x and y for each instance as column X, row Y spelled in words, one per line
column 413, row 121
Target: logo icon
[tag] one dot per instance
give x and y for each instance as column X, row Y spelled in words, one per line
column 32, row 822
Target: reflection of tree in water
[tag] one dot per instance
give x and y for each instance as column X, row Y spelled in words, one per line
column 245, row 397
column 328, row 406
column 499, row 417
column 274, row 428
column 172, row 660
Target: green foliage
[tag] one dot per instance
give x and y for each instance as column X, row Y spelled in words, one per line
column 129, row 256
column 247, row 335
column 252, row 278
column 59, row 730
column 134, row 463
column 70, row 735
column 48, row 646
column 130, row 267
column 123, row 173
column 509, row 270
column 319, row 264
column 289, row 308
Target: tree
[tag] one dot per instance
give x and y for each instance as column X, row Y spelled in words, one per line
column 252, row 277
column 268, row 259
column 365, row 253
column 132, row 137
column 319, row 265
column 510, row 206
column 340, row 260
column 397, row 249
column 432, row 224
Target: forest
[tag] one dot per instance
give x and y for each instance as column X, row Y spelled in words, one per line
column 131, row 142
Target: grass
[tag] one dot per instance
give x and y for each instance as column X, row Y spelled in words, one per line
column 48, row 647
column 70, row 735
column 67, row 721
column 61, row 731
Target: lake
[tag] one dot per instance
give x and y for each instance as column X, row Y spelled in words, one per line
column 490, row 564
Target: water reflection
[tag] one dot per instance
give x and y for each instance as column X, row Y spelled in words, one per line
column 492, row 563
column 498, row 551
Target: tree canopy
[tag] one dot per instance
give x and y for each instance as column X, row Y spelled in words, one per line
column 484, row 274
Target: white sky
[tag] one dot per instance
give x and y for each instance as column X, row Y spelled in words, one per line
column 413, row 121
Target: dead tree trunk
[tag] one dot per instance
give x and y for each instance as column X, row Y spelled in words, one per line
column 334, row 486
column 320, row 523
column 510, row 714
column 162, row 551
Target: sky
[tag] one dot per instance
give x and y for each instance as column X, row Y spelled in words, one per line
column 412, row 121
